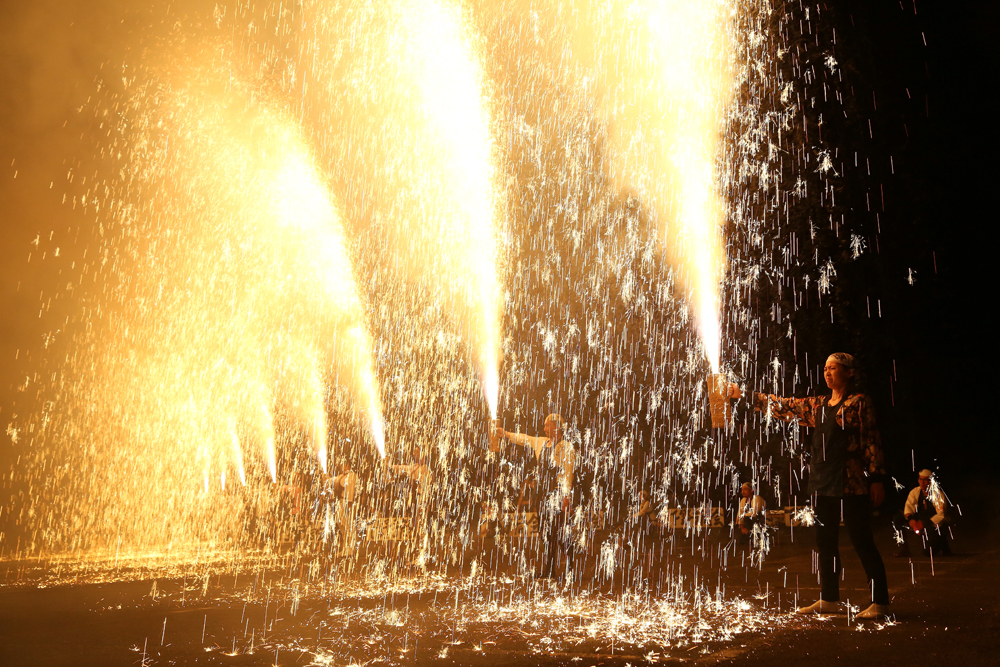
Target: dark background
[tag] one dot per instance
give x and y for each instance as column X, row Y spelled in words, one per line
column 918, row 87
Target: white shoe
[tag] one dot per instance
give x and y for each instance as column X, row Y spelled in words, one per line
column 820, row 607
column 874, row 611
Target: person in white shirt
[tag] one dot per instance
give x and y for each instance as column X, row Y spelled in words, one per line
column 554, row 453
column 551, row 450
column 924, row 515
column 343, row 488
column 752, row 511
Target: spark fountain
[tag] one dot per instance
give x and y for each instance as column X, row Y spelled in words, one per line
column 349, row 213
column 231, row 300
column 430, row 163
column 666, row 101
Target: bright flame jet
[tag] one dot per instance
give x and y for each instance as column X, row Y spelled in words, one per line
column 420, row 133
column 444, row 66
column 667, row 105
column 303, row 205
column 267, row 442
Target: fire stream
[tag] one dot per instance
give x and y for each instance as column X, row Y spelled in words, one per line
column 238, row 310
column 255, row 169
column 454, row 111
column 668, row 101
column 426, row 151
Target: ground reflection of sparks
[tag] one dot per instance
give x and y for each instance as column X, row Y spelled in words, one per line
column 363, row 619
column 318, row 244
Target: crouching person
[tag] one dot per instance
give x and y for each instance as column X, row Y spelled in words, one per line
column 924, row 516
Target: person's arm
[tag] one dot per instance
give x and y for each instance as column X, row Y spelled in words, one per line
column 801, row 410
column 535, row 443
column 940, row 504
column 910, row 508
column 871, row 448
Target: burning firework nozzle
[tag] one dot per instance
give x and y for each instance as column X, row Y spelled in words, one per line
column 718, row 399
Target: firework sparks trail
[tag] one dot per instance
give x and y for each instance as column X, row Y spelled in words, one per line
column 230, row 306
column 433, row 160
column 667, row 104
column 250, row 317
column 455, row 110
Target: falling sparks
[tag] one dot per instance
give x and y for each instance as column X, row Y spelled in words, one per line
column 326, row 231
column 668, row 102
column 456, row 115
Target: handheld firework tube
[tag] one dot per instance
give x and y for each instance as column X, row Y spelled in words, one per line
column 718, row 399
column 494, row 438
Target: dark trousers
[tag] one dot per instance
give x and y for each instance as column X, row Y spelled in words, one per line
column 856, row 513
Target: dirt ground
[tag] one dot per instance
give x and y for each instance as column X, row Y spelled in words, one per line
column 942, row 613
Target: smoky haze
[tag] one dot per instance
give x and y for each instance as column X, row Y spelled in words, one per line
column 54, row 57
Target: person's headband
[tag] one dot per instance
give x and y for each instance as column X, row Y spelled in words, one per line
column 842, row 358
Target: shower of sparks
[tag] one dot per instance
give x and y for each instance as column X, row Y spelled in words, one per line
column 430, row 159
column 667, row 104
column 356, row 623
column 326, row 224
column 454, row 114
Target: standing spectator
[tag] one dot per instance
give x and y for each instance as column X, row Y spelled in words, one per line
column 845, row 477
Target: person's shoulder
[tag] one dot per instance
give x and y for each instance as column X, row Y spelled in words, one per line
column 859, row 398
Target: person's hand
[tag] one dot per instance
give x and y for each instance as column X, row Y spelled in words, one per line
column 499, row 433
column 877, row 492
column 734, row 390
column 744, row 530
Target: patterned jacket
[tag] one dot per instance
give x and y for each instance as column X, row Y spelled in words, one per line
column 865, row 461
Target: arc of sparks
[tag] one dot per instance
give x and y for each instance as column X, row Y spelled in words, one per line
column 303, row 203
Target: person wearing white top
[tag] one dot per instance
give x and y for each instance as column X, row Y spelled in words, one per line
column 752, row 511
column 924, row 516
column 552, row 449
column 343, row 488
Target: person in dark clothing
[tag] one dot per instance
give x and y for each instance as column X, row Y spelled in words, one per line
column 924, row 516
column 845, row 478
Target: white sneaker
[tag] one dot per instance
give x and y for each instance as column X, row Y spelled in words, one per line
column 820, row 607
column 874, row 611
